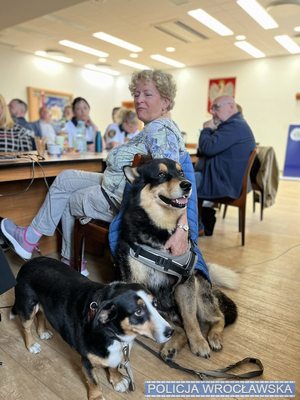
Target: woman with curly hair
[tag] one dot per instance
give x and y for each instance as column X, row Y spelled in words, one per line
column 97, row 195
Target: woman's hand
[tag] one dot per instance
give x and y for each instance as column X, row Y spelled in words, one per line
column 178, row 242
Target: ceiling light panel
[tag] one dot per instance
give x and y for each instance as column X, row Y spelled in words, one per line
column 55, row 57
column 83, row 48
column 289, row 44
column 258, row 13
column 133, row 64
column 105, row 70
column 117, row 42
column 210, row 22
column 250, row 49
column 167, row 60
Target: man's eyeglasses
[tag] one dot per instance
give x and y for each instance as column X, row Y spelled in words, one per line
column 216, row 107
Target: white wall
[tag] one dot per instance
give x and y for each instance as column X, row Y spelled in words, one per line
column 265, row 89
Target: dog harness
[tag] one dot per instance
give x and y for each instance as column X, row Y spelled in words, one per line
column 179, row 266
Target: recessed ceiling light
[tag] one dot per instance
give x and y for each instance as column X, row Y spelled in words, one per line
column 54, row 55
column 167, row 60
column 133, row 55
column 133, row 64
column 84, row 49
column 297, row 29
column 105, row 70
column 170, row 49
column 209, row 21
column 102, row 59
column 258, row 13
column 240, row 37
column 250, row 49
column 117, row 42
column 288, row 43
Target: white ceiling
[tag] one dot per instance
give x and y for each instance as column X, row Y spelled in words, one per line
column 31, row 25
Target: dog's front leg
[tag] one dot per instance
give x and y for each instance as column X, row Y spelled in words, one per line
column 30, row 344
column 174, row 345
column 94, row 389
column 185, row 296
column 119, row 382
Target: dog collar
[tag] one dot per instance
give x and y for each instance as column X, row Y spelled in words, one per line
column 178, row 266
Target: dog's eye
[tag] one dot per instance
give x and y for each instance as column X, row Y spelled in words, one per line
column 139, row 312
column 162, row 174
column 154, row 303
column 181, row 173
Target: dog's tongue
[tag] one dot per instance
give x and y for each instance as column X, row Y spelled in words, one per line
column 181, row 200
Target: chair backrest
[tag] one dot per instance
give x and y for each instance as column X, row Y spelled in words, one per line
column 244, row 191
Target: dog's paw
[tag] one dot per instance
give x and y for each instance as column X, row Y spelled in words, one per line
column 200, row 348
column 35, row 348
column 215, row 341
column 122, row 385
column 46, row 335
column 168, row 353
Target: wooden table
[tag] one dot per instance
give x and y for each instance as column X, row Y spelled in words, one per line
column 20, row 199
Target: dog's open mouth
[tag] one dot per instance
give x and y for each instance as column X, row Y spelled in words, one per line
column 180, row 202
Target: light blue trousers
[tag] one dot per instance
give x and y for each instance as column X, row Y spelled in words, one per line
column 72, row 194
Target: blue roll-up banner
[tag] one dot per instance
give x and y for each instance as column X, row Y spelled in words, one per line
column 292, row 155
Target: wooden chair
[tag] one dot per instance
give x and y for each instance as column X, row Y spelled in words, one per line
column 95, row 230
column 240, row 202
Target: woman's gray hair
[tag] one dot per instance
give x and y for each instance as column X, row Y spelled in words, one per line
column 163, row 81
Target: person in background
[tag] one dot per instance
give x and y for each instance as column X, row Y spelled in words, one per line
column 117, row 134
column 225, row 144
column 13, row 137
column 67, row 115
column 96, row 195
column 18, row 109
column 81, row 112
column 130, row 124
column 114, row 114
column 43, row 127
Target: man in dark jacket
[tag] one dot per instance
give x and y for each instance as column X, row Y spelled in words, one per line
column 18, row 109
column 226, row 143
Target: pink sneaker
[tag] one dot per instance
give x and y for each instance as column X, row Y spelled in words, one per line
column 16, row 236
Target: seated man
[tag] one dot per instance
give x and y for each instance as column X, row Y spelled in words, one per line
column 225, row 143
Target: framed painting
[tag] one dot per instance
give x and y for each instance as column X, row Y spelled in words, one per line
column 52, row 99
column 220, row 87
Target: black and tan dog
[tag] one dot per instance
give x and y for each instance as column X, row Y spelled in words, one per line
column 158, row 198
column 99, row 321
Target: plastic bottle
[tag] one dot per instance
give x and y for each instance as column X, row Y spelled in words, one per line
column 80, row 139
column 98, row 142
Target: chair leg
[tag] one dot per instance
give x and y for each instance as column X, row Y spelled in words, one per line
column 78, row 245
column 261, row 205
column 242, row 222
column 225, row 211
column 253, row 191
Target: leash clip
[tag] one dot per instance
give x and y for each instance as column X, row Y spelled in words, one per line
column 127, row 367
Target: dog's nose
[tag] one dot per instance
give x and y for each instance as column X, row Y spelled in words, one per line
column 168, row 332
column 185, row 185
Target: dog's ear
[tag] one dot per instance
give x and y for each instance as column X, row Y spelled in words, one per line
column 107, row 312
column 130, row 173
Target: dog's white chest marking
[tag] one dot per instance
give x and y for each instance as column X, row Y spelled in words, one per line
column 115, row 354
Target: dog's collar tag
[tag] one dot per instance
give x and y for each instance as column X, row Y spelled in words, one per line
column 127, row 367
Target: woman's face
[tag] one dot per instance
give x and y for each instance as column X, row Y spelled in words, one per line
column 149, row 104
column 82, row 111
